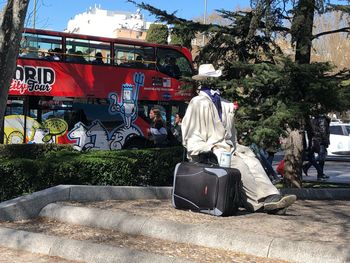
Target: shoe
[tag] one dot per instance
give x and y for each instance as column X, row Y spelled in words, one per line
column 278, row 202
column 323, row 177
column 280, row 212
column 305, row 170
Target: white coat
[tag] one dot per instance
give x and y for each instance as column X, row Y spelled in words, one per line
column 202, row 131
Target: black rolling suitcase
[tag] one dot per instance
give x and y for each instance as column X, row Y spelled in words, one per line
column 207, row 189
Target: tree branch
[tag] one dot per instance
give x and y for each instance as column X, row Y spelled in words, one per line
column 344, row 29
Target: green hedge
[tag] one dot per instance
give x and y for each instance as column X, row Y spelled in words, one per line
column 27, row 174
column 30, row 151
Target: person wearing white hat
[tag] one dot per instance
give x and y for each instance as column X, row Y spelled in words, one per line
column 208, row 126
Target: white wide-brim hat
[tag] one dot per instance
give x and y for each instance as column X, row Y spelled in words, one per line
column 207, row 71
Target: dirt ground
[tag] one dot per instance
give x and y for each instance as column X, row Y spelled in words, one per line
column 323, row 221
column 308, row 220
column 114, row 238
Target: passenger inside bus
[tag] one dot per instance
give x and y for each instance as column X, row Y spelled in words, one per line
column 170, row 68
column 98, row 58
column 54, row 55
column 139, row 62
column 123, row 62
column 70, row 55
column 29, row 52
column 79, row 57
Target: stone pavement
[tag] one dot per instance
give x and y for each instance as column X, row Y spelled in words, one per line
column 20, row 256
column 338, row 170
column 312, row 230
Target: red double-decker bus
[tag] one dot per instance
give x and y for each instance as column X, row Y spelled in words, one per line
column 90, row 91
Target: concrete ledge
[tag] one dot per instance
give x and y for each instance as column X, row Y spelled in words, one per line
column 319, row 194
column 99, row 193
column 259, row 245
column 303, row 251
column 29, row 206
column 77, row 250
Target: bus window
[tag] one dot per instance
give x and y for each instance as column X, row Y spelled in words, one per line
column 134, row 56
column 38, row 46
column 173, row 63
column 84, row 51
column 14, row 107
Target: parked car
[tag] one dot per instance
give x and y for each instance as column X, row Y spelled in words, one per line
column 339, row 140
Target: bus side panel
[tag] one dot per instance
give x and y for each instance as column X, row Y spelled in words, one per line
column 44, row 78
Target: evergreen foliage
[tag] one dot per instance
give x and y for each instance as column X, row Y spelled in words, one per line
column 157, row 33
column 182, row 35
column 274, row 92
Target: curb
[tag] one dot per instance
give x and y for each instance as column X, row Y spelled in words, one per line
column 29, row 206
column 77, row 250
column 264, row 246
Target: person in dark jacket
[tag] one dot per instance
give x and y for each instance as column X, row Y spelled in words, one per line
column 318, row 142
column 176, row 130
column 98, row 58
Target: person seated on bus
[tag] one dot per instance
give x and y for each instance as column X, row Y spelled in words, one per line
column 79, row 57
column 157, row 132
column 138, row 63
column 123, row 62
column 149, row 62
column 54, row 55
column 171, row 68
column 98, row 58
column 23, row 52
column 70, row 56
column 41, row 54
column 29, row 52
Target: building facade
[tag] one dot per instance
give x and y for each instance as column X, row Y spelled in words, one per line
column 106, row 23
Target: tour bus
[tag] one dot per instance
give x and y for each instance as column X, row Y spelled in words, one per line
column 92, row 92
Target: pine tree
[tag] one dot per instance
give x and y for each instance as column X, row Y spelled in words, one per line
column 182, row 36
column 157, row 33
column 277, row 94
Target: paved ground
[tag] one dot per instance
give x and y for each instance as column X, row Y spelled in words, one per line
column 19, row 256
column 337, row 169
column 338, row 172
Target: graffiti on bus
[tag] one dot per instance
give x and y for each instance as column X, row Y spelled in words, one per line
column 54, row 130
column 96, row 136
column 49, row 131
column 84, row 137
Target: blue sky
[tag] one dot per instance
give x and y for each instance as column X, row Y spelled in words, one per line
column 54, row 15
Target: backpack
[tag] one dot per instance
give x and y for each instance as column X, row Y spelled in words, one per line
column 320, row 131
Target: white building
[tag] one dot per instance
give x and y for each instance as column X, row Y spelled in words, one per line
column 105, row 23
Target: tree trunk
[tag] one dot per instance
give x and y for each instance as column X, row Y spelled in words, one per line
column 303, row 22
column 11, row 25
column 302, row 34
column 293, row 159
